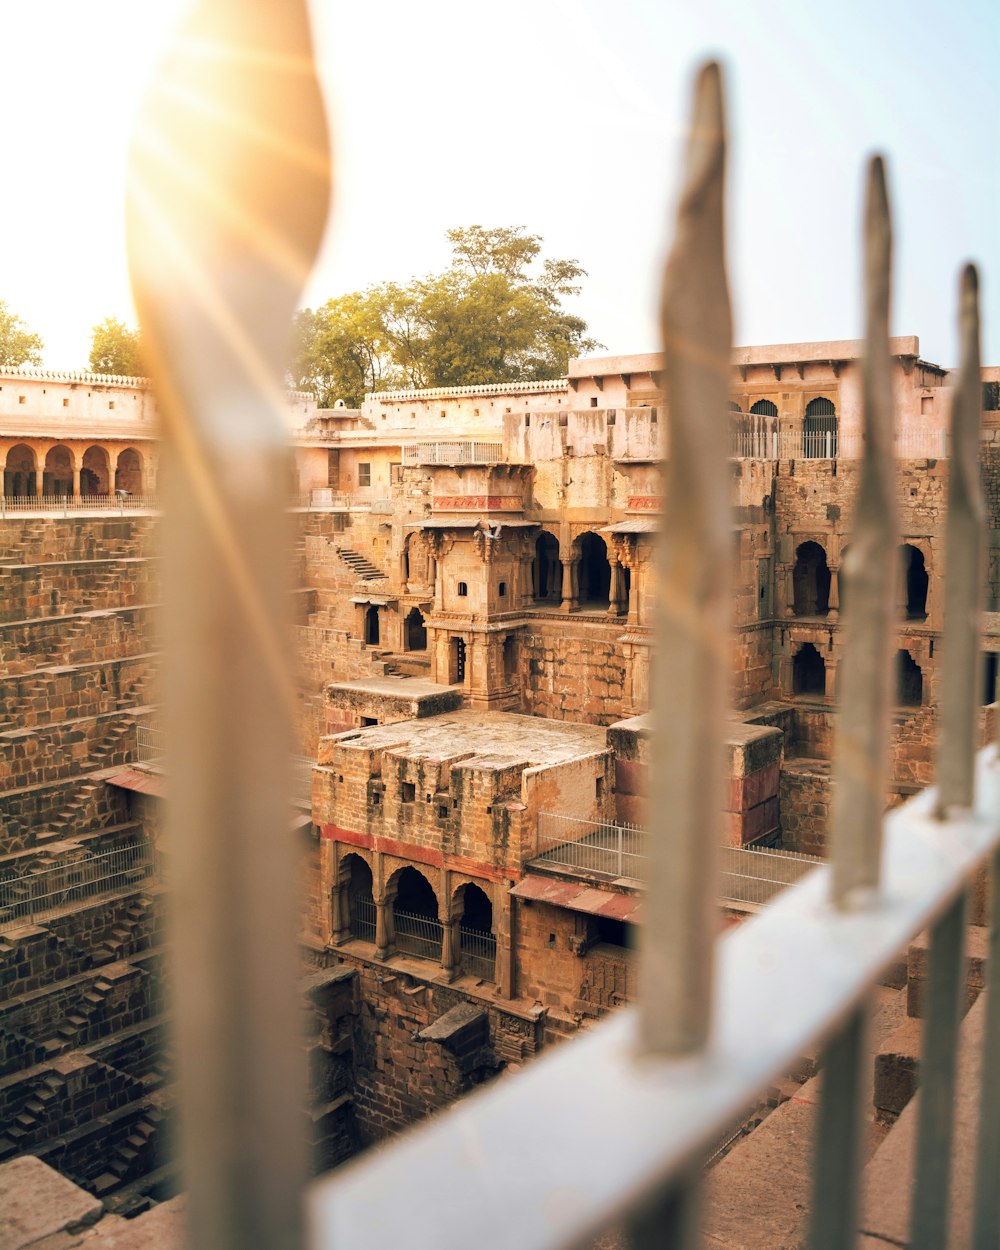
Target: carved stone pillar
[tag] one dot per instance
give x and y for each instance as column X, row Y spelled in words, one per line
column 503, row 926
column 385, row 928
column 38, row 483
column 340, row 915
column 830, row 677
column 449, row 947
column 833, row 604
column 568, row 578
column 617, row 593
column 76, row 481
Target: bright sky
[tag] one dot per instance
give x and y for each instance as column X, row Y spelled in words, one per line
column 565, row 116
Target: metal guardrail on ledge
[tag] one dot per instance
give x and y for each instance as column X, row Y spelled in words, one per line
column 619, row 851
column 11, row 505
column 74, row 882
column 150, row 744
column 469, row 451
column 770, row 444
column 324, row 500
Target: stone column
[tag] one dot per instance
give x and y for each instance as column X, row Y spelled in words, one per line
column 833, row 608
column 38, row 483
column 567, row 584
column 503, row 925
column 830, row 675
column 76, row 481
column 340, row 919
column 789, row 592
column 617, row 586
column 385, row 929
column 550, row 579
column 449, row 947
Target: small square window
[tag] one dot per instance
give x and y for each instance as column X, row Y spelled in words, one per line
column 65, row 403
column 368, row 720
column 463, row 589
column 926, row 404
column 599, row 787
column 442, row 811
column 408, row 791
column 502, row 589
column 20, row 399
column 593, row 401
column 111, row 403
column 364, row 474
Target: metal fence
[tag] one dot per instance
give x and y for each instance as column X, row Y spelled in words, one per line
column 418, row 935
column 612, row 1128
column 73, row 882
column 478, row 953
column 746, row 874
column 150, row 744
column 363, row 916
column 768, row 443
column 606, row 850
column 68, row 504
column 463, row 452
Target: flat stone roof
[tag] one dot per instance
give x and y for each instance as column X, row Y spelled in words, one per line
column 494, row 738
column 398, row 687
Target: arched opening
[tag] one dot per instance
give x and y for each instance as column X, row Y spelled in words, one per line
column 594, row 570
column 371, row 625
column 811, row 581
column 989, row 677
column 808, row 671
column 128, row 472
column 95, row 474
column 19, row 474
column 547, row 569
column 360, row 898
column 915, row 580
column 414, row 631
column 57, row 475
column 456, row 661
column 477, row 943
column 909, row 681
column 764, row 408
column 819, row 430
column 415, row 915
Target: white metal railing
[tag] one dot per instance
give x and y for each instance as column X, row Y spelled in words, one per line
column 768, row 443
column 467, row 392
column 611, row 850
column 74, row 882
column 466, row 451
column 612, row 1127
column 120, row 502
column 150, row 744
column 364, row 913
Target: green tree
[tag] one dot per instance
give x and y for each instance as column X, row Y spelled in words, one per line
column 18, row 344
column 116, row 349
column 494, row 315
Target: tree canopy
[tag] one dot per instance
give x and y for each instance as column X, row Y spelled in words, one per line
column 116, row 349
column 18, row 344
column 494, row 315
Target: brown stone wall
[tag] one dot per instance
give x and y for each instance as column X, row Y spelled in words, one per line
column 31, row 757
column 805, row 797
column 73, row 806
column 86, row 638
column 75, row 692
column 569, row 671
column 29, row 591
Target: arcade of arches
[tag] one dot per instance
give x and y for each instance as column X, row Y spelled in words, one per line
column 32, row 469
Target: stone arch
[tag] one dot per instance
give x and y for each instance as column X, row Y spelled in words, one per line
column 820, row 429
column 808, row 671
column 477, row 943
column 414, row 631
column 355, row 878
column 416, row 560
column 594, row 571
column 764, row 408
column 95, row 475
column 546, row 568
column 372, row 626
column 19, row 471
column 128, row 471
column 810, row 581
column 909, row 680
column 57, row 474
column 416, row 915
column 915, row 581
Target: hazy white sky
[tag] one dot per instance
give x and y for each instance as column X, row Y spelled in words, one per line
column 564, row 116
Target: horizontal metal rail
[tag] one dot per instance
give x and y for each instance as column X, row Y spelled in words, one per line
column 788, row 978
column 150, row 744
column 75, row 881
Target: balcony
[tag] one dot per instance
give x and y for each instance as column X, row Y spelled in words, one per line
column 469, row 451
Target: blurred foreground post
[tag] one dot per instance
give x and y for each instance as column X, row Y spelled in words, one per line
column 227, row 201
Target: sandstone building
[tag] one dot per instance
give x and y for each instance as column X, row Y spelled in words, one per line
column 472, row 590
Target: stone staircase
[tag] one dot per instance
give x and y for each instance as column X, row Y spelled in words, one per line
column 118, row 945
column 68, row 820
column 359, row 566
column 130, row 1157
